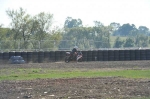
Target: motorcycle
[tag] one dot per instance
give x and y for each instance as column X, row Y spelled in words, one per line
column 73, row 57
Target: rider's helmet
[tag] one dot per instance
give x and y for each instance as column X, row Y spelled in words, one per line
column 76, row 47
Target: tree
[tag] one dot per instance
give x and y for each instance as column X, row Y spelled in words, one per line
column 70, row 22
column 118, row 43
column 3, row 33
column 20, row 25
column 125, row 29
column 56, row 36
column 102, row 34
column 144, row 30
column 129, row 42
column 98, row 24
column 5, row 42
column 115, row 27
column 24, row 27
column 1, row 25
column 88, row 37
column 41, row 25
column 141, row 40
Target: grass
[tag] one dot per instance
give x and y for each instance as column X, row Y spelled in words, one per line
column 28, row 74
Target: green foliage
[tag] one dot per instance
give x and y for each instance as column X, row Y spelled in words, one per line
column 125, row 29
column 35, row 32
column 136, row 37
column 25, row 28
column 52, row 42
column 20, row 25
column 141, row 40
column 4, row 33
column 129, row 42
column 5, row 39
column 41, row 25
column 26, row 74
column 144, row 30
column 115, row 26
column 98, row 24
column 118, row 43
column 88, row 37
column 70, row 22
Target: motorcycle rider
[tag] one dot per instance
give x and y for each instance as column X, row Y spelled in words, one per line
column 74, row 52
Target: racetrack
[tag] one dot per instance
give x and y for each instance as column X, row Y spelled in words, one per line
column 92, row 64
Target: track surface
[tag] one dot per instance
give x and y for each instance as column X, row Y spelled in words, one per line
column 78, row 88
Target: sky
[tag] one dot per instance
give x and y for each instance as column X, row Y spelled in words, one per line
column 135, row 12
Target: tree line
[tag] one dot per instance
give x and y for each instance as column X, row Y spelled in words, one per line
column 35, row 29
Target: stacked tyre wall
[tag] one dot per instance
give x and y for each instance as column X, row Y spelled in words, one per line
column 94, row 55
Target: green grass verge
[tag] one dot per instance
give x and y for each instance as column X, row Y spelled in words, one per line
column 28, row 74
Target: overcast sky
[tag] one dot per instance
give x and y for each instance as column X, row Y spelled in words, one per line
column 106, row 11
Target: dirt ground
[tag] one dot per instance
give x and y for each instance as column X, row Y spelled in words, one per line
column 78, row 88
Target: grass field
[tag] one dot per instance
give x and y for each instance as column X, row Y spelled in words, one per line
column 28, row 74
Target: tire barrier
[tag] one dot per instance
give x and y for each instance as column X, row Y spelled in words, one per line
column 40, row 57
column 89, row 54
column 148, row 54
column 95, row 55
column 105, row 55
column 24, row 55
column 142, row 55
column 132, row 54
column 1, row 57
column 100, row 55
column 46, row 57
column 35, row 57
column 62, row 55
column 121, row 55
column 5, row 57
column 84, row 55
column 111, row 56
column 17, row 53
column 127, row 55
column 57, row 54
column 11, row 54
column 116, row 55
column 52, row 56
column 137, row 55
column 29, row 57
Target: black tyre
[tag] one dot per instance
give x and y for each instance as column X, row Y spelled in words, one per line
column 80, row 60
column 67, row 59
